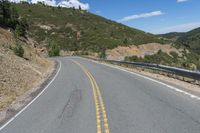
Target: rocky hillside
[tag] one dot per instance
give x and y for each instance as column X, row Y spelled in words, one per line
column 18, row 75
column 143, row 50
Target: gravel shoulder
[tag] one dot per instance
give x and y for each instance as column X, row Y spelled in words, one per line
column 21, row 101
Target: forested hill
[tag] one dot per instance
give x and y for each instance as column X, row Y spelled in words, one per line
column 74, row 29
column 189, row 40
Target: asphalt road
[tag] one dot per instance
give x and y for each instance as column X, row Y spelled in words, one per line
column 87, row 97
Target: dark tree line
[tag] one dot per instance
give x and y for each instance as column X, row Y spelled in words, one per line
column 10, row 18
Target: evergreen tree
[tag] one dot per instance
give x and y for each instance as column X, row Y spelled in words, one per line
column 8, row 14
column 21, row 27
column 5, row 9
column 14, row 17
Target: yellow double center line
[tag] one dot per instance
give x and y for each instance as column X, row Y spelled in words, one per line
column 101, row 117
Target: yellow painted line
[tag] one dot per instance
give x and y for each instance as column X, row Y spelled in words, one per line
column 105, row 119
column 99, row 103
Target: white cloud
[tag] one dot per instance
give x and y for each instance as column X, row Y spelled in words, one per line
column 179, row 1
column 143, row 15
column 178, row 28
column 64, row 3
column 47, row 2
column 73, row 3
column 18, row 1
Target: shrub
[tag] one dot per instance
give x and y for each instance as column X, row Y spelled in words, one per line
column 18, row 50
column 102, row 54
column 174, row 54
column 21, row 28
column 158, row 58
column 19, row 31
column 53, row 49
column 125, row 41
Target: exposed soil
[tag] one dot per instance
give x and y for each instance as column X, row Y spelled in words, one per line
column 146, row 49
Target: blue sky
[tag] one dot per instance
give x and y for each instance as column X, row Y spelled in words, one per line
column 155, row 16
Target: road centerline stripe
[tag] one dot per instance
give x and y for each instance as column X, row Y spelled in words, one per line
column 101, row 116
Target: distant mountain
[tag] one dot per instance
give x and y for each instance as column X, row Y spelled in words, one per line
column 190, row 40
column 172, row 35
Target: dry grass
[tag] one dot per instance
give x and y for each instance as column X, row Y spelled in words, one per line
column 19, row 75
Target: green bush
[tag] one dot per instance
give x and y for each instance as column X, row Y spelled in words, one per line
column 133, row 58
column 21, row 28
column 158, row 58
column 188, row 60
column 18, row 50
column 174, row 54
column 102, row 54
column 53, row 49
column 19, row 31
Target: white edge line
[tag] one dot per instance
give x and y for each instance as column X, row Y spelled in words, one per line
column 156, row 81
column 22, row 110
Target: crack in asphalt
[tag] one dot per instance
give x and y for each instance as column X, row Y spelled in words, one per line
column 71, row 104
column 67, row 111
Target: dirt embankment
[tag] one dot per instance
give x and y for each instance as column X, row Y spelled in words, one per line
column 121, row 52
column 20, row 76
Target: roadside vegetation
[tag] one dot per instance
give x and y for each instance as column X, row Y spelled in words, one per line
column 158, row 58
column 18, row 50
column 53, row 49
column 187, row 60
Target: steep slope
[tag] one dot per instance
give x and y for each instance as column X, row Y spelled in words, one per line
column 79, row 30
column 143, row 50
column 190, row 40
column 19, row 76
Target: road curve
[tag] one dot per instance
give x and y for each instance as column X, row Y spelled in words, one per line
column 87, row 97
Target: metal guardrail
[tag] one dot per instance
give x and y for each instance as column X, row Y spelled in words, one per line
column 194, row 75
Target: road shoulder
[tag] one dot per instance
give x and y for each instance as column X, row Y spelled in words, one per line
column 23, row 100
column 186, row 87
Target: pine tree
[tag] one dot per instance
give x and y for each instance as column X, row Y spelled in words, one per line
column 5, row 10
